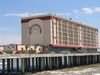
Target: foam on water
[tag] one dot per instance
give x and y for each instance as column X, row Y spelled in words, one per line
column 96, row 74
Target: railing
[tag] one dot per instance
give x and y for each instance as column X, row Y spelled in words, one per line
column 5, row 56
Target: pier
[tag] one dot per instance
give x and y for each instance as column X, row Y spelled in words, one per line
column 39, row 62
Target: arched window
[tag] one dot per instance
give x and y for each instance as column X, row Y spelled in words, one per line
column 35, row 28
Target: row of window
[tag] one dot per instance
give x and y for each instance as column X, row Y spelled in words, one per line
column 68, row 33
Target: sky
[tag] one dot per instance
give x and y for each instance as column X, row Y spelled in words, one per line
column 11, row 12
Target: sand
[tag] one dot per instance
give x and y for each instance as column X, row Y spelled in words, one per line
column 80, row 70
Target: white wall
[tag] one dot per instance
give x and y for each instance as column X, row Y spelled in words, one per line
column 36, row 37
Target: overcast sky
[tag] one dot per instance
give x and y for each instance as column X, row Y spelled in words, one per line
column 11, row 11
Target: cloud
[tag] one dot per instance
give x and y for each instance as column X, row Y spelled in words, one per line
column 65, row 15
column 87, row 10
column 84, row 10
column 24, row 14
column 16, row 14
column 97, row 9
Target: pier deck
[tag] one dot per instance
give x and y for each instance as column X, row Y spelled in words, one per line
column 38, row 62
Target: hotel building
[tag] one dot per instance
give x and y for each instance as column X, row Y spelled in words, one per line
column 59, row 34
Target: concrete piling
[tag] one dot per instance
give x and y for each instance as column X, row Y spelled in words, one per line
column 12, row 69
column 8, row 65
column 3, row 65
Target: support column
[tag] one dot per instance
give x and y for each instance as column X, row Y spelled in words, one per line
column 87, row 60
column 32, row 65
column 93, row 59
column 96, row 58
column 35, row 64
column 79, row 60
column 28, row 65
column 39, row 63
column 46, row 67
column 63, row 61
column 45, row 63
column 60, row 62
column 42, row 63
column 12, row 69
column 3, row 65
column 22, row 65
column 57, row 63
column 52, row 59
column 17, row 64
column 68, row 61
column 8, row 65
column 50, row 64
column 71, row 61
column 90, row 59
column 25, row 64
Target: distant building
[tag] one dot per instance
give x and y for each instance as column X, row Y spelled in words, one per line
column 10, row 47
column 59, row 34
column 1, row 49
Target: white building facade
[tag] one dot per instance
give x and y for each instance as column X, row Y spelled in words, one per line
column 48, row 30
